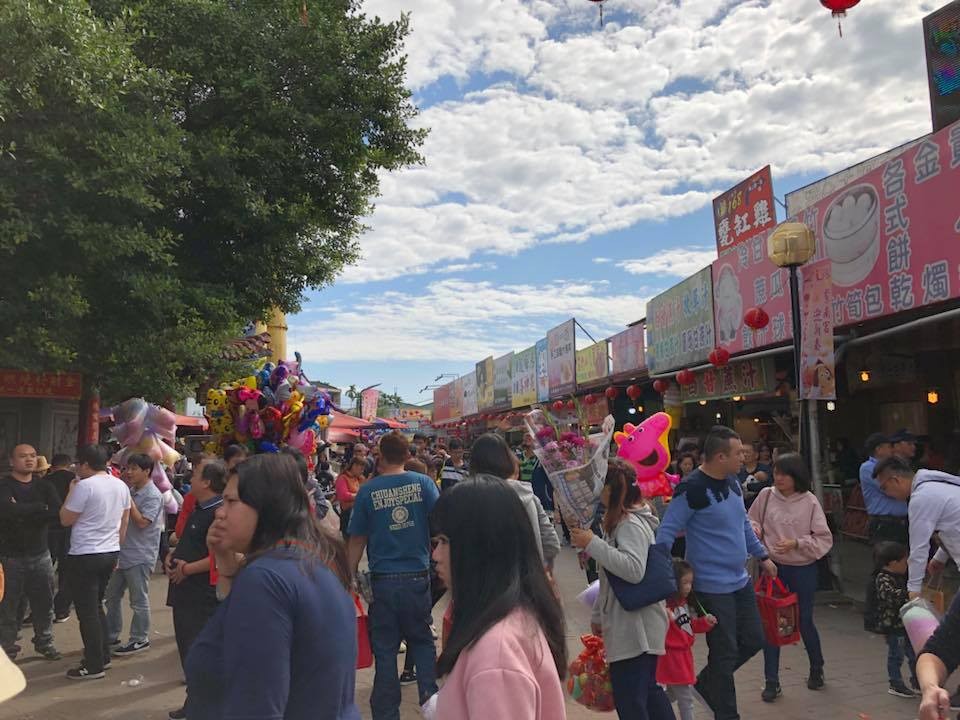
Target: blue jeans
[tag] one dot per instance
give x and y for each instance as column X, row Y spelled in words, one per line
column 27, row 578
column 401, row 609
column 136, row 579
column 803, row 580
column 737, row 637
column 636, row 694
column 898, row 648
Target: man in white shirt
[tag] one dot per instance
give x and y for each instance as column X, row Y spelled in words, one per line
column 97, row 508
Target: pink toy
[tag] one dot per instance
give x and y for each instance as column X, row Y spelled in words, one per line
column 645, row 447
column 250, row 422
column 148, row 429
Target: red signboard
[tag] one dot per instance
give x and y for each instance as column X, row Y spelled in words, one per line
column 26, row 384
column 441, row 402
column 893, row 236
column 744, row 211
column 744, row 279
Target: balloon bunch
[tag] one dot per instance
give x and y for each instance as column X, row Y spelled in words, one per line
column 150, row 430
column 276, row 406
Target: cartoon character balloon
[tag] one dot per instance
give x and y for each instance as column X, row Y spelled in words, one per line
column 151, row 430
column 645, row 447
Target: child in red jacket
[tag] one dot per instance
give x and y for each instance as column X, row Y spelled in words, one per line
column 675, row 668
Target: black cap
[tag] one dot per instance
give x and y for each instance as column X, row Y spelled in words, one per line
column 873, row 441
column 903, row 435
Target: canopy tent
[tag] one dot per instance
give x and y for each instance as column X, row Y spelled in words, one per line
column 390, row 423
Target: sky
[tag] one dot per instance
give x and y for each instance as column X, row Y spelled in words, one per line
column 569, row 169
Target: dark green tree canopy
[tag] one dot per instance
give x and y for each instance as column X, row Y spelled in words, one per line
column 173, row 168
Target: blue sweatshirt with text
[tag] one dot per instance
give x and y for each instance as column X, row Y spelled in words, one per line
column 719, row 534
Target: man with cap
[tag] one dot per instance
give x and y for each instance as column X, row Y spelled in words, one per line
column 888, row 515
column 904, row 444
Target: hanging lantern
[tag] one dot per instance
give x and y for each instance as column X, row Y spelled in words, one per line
column 590, row 399
column 661, row 386
column 756, row 318
column 686, row 377
column 599, row 4
column 557, row 406
column 839, row 9
column 611, row 392
column 719, row 357
column 634, row 391
column 571, row 405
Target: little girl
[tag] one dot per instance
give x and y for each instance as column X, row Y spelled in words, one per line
column 675, row 669
column 890, row 594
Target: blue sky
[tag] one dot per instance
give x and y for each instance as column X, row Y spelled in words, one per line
column 569, row 169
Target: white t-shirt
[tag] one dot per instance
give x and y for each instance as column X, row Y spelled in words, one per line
column 100, row 499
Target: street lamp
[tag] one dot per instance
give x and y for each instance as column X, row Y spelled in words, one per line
column 790, row 245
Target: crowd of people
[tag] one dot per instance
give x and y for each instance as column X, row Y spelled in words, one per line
column 259, row 570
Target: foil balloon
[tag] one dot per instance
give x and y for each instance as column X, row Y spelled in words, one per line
column 150, row 430
column 645, row 447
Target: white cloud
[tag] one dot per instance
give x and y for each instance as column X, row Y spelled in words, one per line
column 595, row 130
column 602, row 260
column 460, row 320
column 465, row 267
column 679, row 263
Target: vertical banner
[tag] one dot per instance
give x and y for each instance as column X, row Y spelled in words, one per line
column 502, row 384
column 627, row 350
column 369, row 399
column 469, row 382
column 524, row 378
column 562, row 362
column 543, row 372
column 746, row 210
column 818, row 373
column 485, row 384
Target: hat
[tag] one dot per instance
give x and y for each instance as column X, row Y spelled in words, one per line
column 11, row 679
column 903, row 435
column 42, row 464
column 876, row 439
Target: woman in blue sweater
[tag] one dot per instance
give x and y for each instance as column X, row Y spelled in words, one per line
column 287, row 622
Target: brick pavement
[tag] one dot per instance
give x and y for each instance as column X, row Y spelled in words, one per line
column 856, row 682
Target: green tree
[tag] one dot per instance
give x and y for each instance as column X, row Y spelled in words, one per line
column 174, row 168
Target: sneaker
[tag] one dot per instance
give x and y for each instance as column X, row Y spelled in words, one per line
column 179, row 714
column 61, row 618
column 107, row 664
column 771, row 691
column 131, row 648
column 27, row 621
column 12, row 651
column 81, row 673
column 815, row 681
column 117, row 642
column 408, row 677
column 901, row 690
column 403, row 647
column 49, row 653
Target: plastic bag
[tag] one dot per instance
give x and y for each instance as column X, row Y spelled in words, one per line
column 920, row 619
column 588, row 681
column 576, row 465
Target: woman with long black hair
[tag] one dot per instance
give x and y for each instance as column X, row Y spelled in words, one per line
column 506, row 653
column 287, row 622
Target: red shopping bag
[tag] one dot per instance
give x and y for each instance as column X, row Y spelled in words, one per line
column 364, row 651
column 588, row 681
column 779, row 611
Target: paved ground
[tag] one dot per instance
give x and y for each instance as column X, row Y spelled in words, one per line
column 856, row 675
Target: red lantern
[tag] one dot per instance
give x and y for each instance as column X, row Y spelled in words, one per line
column 558, row 406
column 590, row 399
column 756, row 318
column 719, row 357
column 611, row 392
column 839, row 9
column 571, row 405
column 686, row 377
column 661, row 386
column 634, row 391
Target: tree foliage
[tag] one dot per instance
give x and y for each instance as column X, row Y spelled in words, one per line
column 173, row 168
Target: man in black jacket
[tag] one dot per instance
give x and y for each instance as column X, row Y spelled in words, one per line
column 28, row 505
column 61, row 475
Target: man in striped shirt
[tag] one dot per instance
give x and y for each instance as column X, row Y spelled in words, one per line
column 454, row 468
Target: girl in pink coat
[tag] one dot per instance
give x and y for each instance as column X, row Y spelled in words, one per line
column 789, row 521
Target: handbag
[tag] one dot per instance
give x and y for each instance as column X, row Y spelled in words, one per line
column 364, row 650
column 659, row 581
column 779, row 611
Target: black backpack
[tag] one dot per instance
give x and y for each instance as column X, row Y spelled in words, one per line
column 870, row 618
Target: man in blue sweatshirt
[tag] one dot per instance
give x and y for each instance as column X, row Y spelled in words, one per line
column 708, row 504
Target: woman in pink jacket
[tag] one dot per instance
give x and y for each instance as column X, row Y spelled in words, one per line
column 788, row 519
column 506, row 654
